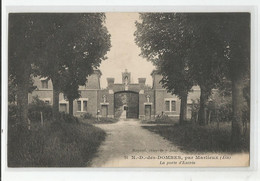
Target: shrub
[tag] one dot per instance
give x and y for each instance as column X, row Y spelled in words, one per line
column 36, row 107
column 87, row 116
column 163, row 118
column 65, row 117
column 108, row 120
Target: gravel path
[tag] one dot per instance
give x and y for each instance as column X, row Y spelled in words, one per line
column 129, row 145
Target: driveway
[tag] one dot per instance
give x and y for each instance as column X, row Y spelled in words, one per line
column 129, row 145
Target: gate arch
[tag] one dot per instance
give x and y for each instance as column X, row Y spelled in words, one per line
column 126, row 102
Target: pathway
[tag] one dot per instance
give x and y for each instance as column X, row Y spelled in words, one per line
column 126, row 140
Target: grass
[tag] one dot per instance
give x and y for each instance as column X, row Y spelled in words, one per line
column 100, row 121
column 195, row 138
column 58, row 144
column 162, row 120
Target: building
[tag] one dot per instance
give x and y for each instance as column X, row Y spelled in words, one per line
column 132, row 100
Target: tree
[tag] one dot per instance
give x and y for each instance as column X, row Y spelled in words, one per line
column 22, row 43
column 164, row 40
column 75, row 43
column 207, row 52
column 236, row 39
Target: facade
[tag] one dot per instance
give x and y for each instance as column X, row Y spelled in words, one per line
column 132, row 100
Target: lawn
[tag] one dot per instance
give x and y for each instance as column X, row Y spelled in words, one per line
column 195, row 138
column 60, row 144
column 100, row 121
column 161, row 120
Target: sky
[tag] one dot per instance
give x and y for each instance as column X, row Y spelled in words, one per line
column 124, row 53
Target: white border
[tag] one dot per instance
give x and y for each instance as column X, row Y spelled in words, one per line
column 150, row 174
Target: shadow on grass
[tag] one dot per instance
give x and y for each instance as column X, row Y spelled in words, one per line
column 53, row 145
column 195, row 138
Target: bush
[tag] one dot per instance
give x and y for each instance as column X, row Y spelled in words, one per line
column 36, row 107
column 108, row 120
column 65, row 117
column 87, row 116
column 163, row 118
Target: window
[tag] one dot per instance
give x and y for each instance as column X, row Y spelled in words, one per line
column 173, row 105
column 47, row 102
column 45, row 84
column 82, row 105
column 85, row 106
column 170, row 105
column 167, row 105
column 79, row 105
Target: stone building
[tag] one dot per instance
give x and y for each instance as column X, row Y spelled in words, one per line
column 127, row 99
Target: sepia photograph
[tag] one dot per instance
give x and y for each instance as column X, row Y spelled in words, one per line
column 129, row 89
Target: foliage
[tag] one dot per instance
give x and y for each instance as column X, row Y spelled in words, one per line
column 12, row 112
column 86, row 43
column 164, row 40
column 23, row 40
column 65, row 117
column 163, row 118
column 37, row 41
column 36, row 107
column 87, row 116
column 197, row 48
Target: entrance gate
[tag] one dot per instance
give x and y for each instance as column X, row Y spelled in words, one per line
column 127, row 101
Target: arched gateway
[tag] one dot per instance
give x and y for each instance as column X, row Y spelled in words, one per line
column 126, row 104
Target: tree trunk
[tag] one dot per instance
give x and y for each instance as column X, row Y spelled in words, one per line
column 71, row 107
column 22, row 96
column 183, row 111
column 237, row 106
column 22, row 103
column 55, row 106
column 202, row 110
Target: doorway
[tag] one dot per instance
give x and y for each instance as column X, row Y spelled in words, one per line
column 104, row 110
column 147, row 111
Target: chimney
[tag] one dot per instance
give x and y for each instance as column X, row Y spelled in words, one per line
column 141, row 81
column 110, row 82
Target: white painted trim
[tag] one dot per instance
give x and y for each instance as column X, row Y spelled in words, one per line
column 63, row 102
column 148, row 103
column 82, row 99
column 173, row 115
column 170, row 99
column 42, row 89
column 104, row 103
column 45, row 99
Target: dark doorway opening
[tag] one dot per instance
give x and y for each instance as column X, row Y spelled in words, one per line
column 128, row 102
column 147, row 111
